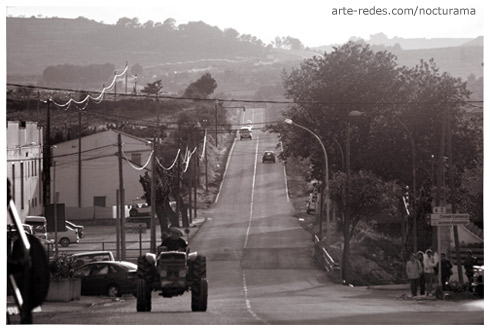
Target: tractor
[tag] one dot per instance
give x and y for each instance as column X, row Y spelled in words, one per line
column 172, row 273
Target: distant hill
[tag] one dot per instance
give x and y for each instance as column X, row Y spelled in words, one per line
column 460, row 57
column 33, row 44
column 242, row 65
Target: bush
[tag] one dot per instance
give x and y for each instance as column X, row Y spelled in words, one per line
column 61, row 267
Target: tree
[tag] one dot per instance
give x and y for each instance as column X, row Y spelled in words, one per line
column 231, row 33
column 153, row 88
column 170, row 24
column 397, row 104
column 201, row 88
column 167, row 189
column 369, row 196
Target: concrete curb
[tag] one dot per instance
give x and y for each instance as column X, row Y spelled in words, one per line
column 392, row 287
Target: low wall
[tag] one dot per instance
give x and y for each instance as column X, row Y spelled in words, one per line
column 93, row 213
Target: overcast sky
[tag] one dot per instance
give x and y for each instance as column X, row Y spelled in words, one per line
column 311, row 21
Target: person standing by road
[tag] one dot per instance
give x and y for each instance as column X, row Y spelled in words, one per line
column 420, row 258
column 413, row 269
column 469, row 262
column 447, row 271
column 430, row 263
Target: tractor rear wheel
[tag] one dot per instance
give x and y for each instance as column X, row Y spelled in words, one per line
column 145, row 269
column 143, row 298
column 200, row 296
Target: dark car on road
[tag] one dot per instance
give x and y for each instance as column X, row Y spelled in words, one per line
column 269, row 156
column 111, row 278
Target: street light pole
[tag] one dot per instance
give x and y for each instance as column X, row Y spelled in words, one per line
column 414, row 189
column 290, row 122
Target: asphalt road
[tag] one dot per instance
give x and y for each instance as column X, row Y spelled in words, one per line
column 260, row 266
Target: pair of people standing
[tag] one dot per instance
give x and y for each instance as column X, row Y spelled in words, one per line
column 421, row 269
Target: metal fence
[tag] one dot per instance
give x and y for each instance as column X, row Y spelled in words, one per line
column 133, row 249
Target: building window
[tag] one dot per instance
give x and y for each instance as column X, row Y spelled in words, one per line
column 136, row 159
column 99, row 201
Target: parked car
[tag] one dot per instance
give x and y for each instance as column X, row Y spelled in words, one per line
column 82, row 258
column 77, row 228
column 112, row 278
column 139, row 208
column 312, row 203
column 66, row 237
column 478, row 280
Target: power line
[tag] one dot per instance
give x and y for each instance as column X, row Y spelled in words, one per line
column 181, row 98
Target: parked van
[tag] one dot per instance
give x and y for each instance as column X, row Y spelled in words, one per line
column 245, row 133
column 39, row 225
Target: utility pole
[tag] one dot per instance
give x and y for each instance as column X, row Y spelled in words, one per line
column 79, row 158
column 55, row 212
column 195, row 179
column 216, row 122
column 153, row 199
column 190, row 174
column 126, row 80
column 178, row 179
column 118, row 225
column 47, row 157
column 121, row 198
column 206, row 157
column 154, row 181
column 436, row 236
column 453, row 199
column 115, row 86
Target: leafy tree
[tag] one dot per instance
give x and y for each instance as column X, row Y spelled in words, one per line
column 153, row 88
column 231, row 33
column 201, row 88
column 398, row 105
column 369, row 196
column 167, row 190
column 170, row 24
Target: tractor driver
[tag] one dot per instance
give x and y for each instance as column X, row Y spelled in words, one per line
column 175, row 242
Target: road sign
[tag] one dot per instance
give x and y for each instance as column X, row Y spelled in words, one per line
column 439, row 209
column 449, row 219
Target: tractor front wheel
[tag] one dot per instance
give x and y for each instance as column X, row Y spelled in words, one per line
column 200, row 295
column 143, row 298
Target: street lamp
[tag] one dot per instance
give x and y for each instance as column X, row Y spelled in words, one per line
column 290, row 122
column 414, row 190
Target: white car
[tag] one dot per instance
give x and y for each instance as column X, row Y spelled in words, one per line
column 66, row 237
column 77, row 228
column 245, row 133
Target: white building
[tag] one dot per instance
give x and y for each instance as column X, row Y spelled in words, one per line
column 25, row 166
column 86, row 178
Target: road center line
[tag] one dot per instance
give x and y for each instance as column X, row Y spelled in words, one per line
column 245, row 288
column 253, row 192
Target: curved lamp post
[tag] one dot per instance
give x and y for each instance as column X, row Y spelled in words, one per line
column 290, row 122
